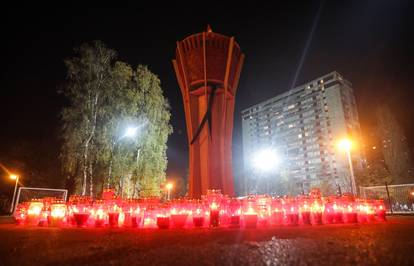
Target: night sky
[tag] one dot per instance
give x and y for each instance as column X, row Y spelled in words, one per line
column 368, row 42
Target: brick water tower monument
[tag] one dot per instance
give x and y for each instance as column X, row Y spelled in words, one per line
column 208, row 67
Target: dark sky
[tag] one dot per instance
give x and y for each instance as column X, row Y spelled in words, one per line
column 369, row 42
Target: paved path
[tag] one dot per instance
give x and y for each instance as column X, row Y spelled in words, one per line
column 390, row 243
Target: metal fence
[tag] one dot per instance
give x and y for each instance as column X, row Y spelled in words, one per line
column 397, row 198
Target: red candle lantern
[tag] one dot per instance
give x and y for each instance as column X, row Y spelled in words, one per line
column 34, row 211
column 149, row 208
column 58, row 211
column 316, row 212
column 277, row 211
column 179, row 214
column 329, row 210
column 163, row 217
column 263, row 203
column 136, row 216
column 214, row 215
column 338, row 210
column 380, row 210
column 81, row 211
column 214, row 198
column 99, row 213
column 291, row 209
column 20, row 213
column 235, row 212
column 250, row 217
column 113, row 215
column 369, row 210
column 350, row 213
column 108, row 194
column 305, row 211
column 198, row 214
column 361, row 211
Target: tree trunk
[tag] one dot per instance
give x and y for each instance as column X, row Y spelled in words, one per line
column 85, row 168
column 90, row 178
column 111, row 158
column 86, row 149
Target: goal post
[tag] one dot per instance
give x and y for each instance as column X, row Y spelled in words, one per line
column 29, row 193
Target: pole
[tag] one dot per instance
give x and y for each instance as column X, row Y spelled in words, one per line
column 388, row 195
column 351, row 169
column 14, row 195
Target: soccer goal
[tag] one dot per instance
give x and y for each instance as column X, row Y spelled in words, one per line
column 26, row 194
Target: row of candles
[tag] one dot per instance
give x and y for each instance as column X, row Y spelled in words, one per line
column 213, row 210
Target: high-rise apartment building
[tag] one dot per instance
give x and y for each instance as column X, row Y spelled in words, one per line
column 303, row 126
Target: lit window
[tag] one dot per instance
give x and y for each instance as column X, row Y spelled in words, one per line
column 291, row 125
column 299, row 136
column 291, row 106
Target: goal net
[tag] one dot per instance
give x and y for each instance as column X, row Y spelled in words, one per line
column 26, row 194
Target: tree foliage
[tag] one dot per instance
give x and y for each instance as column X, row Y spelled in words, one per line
column 105, row 97
column 394, row 146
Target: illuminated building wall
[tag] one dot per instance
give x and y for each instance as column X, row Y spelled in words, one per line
column 303, row 125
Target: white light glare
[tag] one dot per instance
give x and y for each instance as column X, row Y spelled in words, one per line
column 131, row 132
column 265, row 160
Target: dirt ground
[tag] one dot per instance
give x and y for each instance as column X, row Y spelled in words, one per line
column 389, row 243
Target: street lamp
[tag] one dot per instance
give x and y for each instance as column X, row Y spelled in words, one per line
column 265, row 161
column 169, row 186
column 14, row 177
column 346, row 145
column 130, row 132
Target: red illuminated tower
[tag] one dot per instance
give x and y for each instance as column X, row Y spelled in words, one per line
column 208, row 67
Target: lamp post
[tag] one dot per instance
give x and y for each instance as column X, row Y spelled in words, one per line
column 129, row 133
column 265, row 162
column 346, row 145
column 169, row 186
column 14, row 177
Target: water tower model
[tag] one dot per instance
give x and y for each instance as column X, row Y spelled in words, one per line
column 208, row 67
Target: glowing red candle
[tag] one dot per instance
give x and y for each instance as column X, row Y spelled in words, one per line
column 198, row 221
column 234, row 212
column 99, row 217
column 292, row 214
column 329, row 212
column 338, row 213
column 305, row 212
column 214, row 215
column 163, row 222
column 277, row 212
column 214, row 199
column 316, row 212
column 350, row 214
column 250, row 218
column 235, row 220
column 81, row 218
column 369, row 211
column 136, row 217
column 362, row 212
column 34, row 211
column 57, row 213
column 263, row 207
column 21, row 213
column 198, row 216
column 380, row 210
